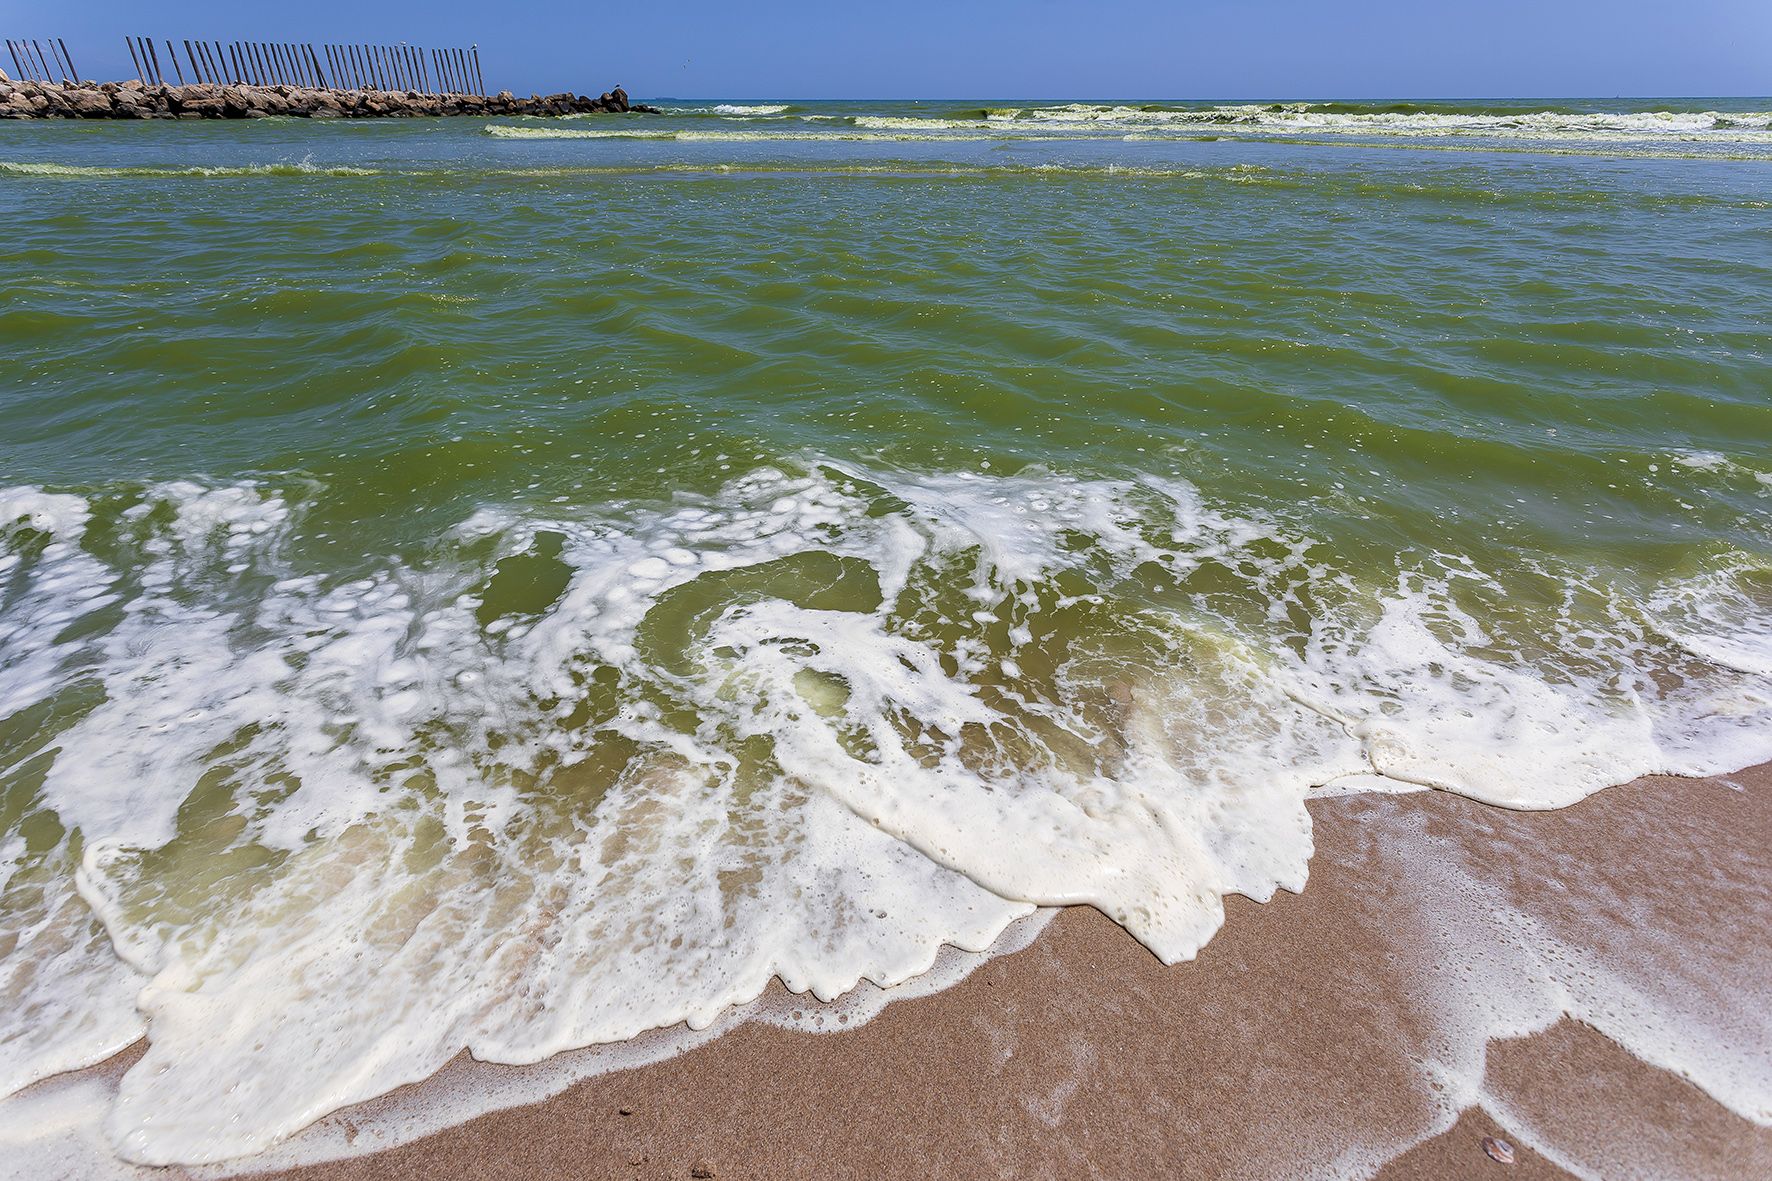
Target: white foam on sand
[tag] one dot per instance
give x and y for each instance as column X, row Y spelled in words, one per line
column 574, row 777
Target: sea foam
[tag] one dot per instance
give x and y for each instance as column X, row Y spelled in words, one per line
column 570, row 776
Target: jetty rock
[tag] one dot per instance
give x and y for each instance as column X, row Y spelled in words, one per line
column 138, row 100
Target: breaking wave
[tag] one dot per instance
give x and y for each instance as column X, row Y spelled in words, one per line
column 567, row 776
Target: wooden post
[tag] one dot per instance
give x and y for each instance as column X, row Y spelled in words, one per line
column 173, row 54
column 196, row 67
column 159, row 78
column 48, row 74
column 479, row 79
column 314, row 64
column 130, row 41
column 69, row 58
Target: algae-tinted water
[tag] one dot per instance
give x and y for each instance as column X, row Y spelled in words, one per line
column 515, row 585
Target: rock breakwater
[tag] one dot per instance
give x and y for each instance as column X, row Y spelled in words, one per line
column 137, row 100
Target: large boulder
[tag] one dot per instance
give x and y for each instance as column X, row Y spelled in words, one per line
column 206, row 102
column 89, row 103
column 128, row 104
column 54, row 104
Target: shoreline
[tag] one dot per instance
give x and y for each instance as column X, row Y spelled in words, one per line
column 136, row 100
column 1452, row 971
column 1083, row 1056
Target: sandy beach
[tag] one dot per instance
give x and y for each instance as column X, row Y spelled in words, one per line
column 1358, row 1029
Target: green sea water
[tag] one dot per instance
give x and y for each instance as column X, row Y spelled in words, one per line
column 511, row 585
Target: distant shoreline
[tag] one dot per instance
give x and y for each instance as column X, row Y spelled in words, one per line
column 136, row 100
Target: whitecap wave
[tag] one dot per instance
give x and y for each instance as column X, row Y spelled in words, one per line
column 89, row 171
column 1750, row 126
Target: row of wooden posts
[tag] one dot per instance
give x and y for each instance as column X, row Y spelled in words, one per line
column 259, row 63
column 346, row 67
column 38, row 68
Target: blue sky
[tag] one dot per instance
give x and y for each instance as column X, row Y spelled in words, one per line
column 995, row 48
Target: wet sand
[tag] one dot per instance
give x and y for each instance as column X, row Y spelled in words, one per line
column 1382, row 1023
